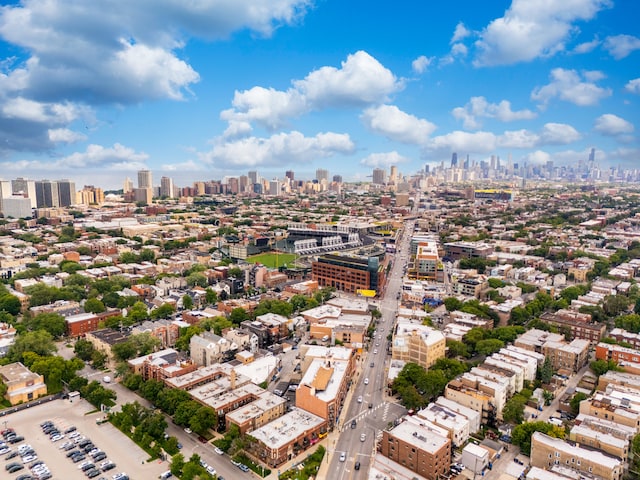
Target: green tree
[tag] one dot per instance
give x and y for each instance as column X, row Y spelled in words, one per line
column 489, row 346
column 184, row 339
column 187, row 302
column 575, row 402
column 204, row 419
column 53, row 323
column 452, row 304
column 10, row 303
column 600, row 367
column 473, row 336
column 298, row 302
column 614, row 305
column 83, row 349
column 177, row 464
column 235, row 272
column 55, row 370
column 521, row 434
column 137, row 313
column 513, row 411
column 124, row 350
column 39, row 342
column 495, row 283
column 211, row 297
column 197, row 279
column 163, row 311
column 93, row 305
column 238, row 315
column 457, row 349
column 545, row 372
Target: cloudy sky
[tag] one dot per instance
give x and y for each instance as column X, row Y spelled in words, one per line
column 95, row 90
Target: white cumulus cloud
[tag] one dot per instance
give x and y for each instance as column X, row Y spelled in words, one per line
column 612, row 125
column 621, row 46
column 64, row 135
column 633, row 86
column 393, row 123
column 87, row 54
column 479, row 107
column 420, row 64
column 558, row 134
column 532, row 28
column 383, row 160
column 279, row 149
column 538, row 157
column 586, row 47
column 571, row 86
column 361, row 80
column 461, row 32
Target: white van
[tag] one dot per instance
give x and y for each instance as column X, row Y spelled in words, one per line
column 166, row 474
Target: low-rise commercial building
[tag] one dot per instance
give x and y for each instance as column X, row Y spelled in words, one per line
column 22, row 384
column 349, row 273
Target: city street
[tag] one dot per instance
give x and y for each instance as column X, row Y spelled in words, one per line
column 371, row 421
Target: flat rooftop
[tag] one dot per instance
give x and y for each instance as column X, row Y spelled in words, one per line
column 423, row 438
column 287, row 428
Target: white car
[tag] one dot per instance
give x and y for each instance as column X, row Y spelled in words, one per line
column 4, row 450
column 211, row 470
column 74, row 434
column 84, row 464
column 218, row 451
column 343, row 456
column 366, row 381
column 360, row 399
column 188, row 430
column 363, row 437
column 29, row 458
column 57, row 437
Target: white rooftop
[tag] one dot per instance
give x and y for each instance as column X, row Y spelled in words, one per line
column 284, row 429
column 423, row 438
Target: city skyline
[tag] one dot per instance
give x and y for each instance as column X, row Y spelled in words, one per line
column 194, row 94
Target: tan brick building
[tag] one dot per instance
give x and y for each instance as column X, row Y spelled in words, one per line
column 22, row 384
column 547, row 452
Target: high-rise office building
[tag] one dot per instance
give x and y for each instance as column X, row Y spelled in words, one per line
column 378, row 176
column 26, row 188
column 66, row 193
column 274, row 188
column 454, row 159
column 166, row 187
column 47, row 194
column 145, row 179
column 393, row 175
column 322, row 174
column 5, row 190
column 233, row 185
column 253, row 176
column 290, row 175
column 337, row 178
column 243, row 182
column 127, row 186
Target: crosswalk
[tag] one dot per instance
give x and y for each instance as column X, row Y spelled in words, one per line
column 365, row 413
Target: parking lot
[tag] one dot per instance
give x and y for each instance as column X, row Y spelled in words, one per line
column 127, row 456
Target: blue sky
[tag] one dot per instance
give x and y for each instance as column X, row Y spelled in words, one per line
column 94, row 91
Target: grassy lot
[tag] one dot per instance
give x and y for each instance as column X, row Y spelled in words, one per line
column 270, row 259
